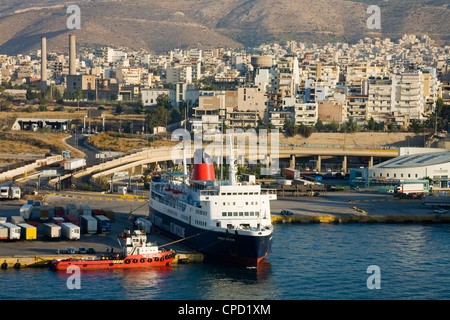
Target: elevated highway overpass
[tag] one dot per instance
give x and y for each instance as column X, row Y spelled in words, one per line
column 253, row 152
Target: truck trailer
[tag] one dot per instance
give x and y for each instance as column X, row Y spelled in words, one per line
column 409, row 188
column 88, row 224
column 51, row 230
column 291, row 173
column 70, row 231
column 103, row 224
column 13, row 230
column 44, row 213
column 26, row 211
column 27, row 232
column 74, row 164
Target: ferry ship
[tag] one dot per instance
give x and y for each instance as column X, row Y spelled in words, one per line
column 137, row 252
column 228, row 220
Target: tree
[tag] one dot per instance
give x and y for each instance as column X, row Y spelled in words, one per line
column 163, row 100
column 371, row 124
column 78, row 95
column 119, row 108
column 159, row 116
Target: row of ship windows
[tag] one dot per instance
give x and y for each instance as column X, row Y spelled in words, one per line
column 238, row 193
column 246, row 203
column 201, row 223
column 240, row 214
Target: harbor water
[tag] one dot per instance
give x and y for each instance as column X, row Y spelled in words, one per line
column 313, row 262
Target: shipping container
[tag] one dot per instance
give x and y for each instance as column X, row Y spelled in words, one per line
column 27, row 232
column 85, row 210
column 73, row 219
column 17, row 219
column 88, row 224
column 58, row 220
column 291, row 173
column 44, row 213
column 33, row 223
column 71, row 209
column 3, row 233
column 51, row 230
column 13, row 230
column 70, row 231
column 103, row 224
column 74, row 164
column 110, row 215
column 59, row 212
column 26, row 211
column 96, row 212
column 2, row 219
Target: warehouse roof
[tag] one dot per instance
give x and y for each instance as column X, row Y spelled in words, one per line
column 417, row 160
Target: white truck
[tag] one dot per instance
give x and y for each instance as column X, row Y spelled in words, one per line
column 70, row 231
column 13, row 230
column 10, row 193
column 409, row 188
column 74, row 164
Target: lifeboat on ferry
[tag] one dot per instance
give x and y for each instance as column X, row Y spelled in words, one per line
column 156, row 176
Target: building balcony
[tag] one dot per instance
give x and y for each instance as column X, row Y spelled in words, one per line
column 410, row 93
column 410, row 85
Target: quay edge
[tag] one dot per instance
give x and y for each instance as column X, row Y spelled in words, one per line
column 359, row 219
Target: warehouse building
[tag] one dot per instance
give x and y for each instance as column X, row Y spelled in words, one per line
column 409, row 169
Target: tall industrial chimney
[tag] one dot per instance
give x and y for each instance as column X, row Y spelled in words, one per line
column 44, row 63
column 72, row 55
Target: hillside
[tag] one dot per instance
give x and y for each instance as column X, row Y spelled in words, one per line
column 159, row 25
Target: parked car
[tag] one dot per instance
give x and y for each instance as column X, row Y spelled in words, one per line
column 82, row 250
column 286, row 212
column 70, row 250
column 91, row 250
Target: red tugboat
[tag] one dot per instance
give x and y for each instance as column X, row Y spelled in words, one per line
column 136, row 253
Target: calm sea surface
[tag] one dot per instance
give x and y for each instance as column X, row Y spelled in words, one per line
column 307, row 262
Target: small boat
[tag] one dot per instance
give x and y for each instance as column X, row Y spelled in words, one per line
column 136, row 253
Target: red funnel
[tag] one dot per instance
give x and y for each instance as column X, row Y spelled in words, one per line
column 202, row 172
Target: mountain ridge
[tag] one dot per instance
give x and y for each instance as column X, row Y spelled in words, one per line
column 157, row 25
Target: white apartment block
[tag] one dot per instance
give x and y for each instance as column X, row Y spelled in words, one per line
column 149, row 96
column 401, row 96
column 179, row 73
column 299, row 111
column 267, row 78
column 409, row 98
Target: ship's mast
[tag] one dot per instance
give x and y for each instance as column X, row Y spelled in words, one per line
column 232, row 177
column 184, row 160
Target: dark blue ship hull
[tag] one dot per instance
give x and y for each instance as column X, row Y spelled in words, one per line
column 231, row 246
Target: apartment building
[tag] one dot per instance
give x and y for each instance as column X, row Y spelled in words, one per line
column 179, row 73
column 134, row 75
column 331, row 111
